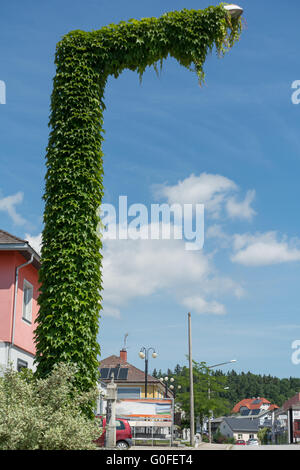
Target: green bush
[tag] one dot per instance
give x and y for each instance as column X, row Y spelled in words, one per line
column 45, row 414
column 221, row 439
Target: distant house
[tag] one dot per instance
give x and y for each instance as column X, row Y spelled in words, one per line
column 290, row 412
column 129, row 379
column 237, row 428
column 19, row 286
column 253, row 407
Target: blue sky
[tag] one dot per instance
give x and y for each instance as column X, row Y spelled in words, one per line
column 233, row 144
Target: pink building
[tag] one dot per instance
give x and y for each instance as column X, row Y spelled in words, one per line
column 19, row 266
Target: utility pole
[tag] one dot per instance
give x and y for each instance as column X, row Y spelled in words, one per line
column 192, row 420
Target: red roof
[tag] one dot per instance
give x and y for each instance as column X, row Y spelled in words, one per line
column 252, row 404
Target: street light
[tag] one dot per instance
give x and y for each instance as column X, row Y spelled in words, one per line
column 165, row 379
column 209, row 417
column 144, row 353
column 234, row 10
column 175, row 390
column 222, row 363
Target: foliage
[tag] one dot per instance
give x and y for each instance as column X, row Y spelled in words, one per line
column 263, row 435
column 247, row 385
column 70, row 276
column 45, row 414
column 221, row 439
column 207, row 390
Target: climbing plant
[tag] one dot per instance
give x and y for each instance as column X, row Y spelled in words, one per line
column 70, row 276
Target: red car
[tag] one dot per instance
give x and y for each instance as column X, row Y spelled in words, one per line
column 240, row 442
column 123, row 434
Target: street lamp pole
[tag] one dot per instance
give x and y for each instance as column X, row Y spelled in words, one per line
column 144, row 354
column 209, row 393
column 192, row 417
column 162, row 379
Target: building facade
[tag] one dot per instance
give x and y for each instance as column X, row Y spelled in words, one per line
column 129, row 379
column 238, row 428
column 19, row 288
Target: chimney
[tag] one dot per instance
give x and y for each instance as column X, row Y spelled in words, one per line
column 123, row 355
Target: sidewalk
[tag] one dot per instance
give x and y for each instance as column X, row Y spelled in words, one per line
column 202, row 446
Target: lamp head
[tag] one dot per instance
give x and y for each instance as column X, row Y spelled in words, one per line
column 154, row 355
column 142, row 355
column 234, row 10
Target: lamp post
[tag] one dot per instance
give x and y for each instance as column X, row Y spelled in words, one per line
column 166, row 379
column 175, row 390
column 144, row 354
column 209, row 393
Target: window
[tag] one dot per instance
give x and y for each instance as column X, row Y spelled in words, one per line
column 21, row 365
column 27, row 301
column 126, row 392
column 240, row 436
column 120, row 425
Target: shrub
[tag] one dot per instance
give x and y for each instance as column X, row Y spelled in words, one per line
column 221, row 439
column 45, row 414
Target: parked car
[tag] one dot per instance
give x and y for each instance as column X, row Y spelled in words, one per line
column 123, row 434
column 252, row 442
column 240, row 442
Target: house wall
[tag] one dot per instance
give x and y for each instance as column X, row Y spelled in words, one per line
column 244, row 435
column 24, row 330
column 227, row 431
column 7, row 284
column 153, row 390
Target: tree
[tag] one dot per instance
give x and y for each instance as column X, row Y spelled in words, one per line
column 263, row 435
column 70, row 275
column 45, row 414
column 203, row 382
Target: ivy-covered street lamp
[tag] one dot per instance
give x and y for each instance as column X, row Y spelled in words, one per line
column 234, row 10
column 70, row 298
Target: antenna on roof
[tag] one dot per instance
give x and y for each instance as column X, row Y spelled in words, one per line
column 125, row 339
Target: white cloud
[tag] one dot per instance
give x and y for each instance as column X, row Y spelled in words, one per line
column 216, row 233
column 264, row 249
column 243, row 209
column 8, row 203
column 140, row 268
column 207, row 189
column 214, row 191
column 35, row 242
column 200, row 305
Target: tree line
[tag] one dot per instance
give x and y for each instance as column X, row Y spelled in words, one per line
column 231, row 387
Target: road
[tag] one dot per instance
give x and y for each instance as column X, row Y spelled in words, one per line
column 271, row 447
column 206, row 446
